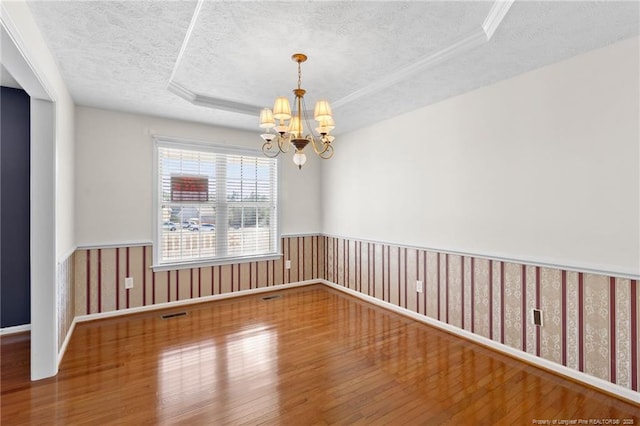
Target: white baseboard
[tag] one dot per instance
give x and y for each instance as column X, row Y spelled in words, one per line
column 587, row 379
column 157, row 306
column 15, row 329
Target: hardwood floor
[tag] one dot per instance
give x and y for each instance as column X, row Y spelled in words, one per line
column 311, row 356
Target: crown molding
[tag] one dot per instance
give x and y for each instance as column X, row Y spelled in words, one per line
column 185, row 42
column 211, row 102
column 180, row 90
column 470, row 41
column 496, row 15
column 198, row 99
column 226, row 105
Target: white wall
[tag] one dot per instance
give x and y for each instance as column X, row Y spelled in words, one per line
column 52, row 238
column 543, row 167
column 114, row 175
column 65, row 180
column 39, row 71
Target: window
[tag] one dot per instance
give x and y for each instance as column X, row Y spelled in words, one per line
column 213, row 204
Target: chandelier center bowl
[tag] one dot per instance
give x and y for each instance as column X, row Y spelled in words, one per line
column 299, row 57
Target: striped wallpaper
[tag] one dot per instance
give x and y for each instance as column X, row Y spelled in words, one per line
column 65, row 299
column 100, row 273
column 590, row 322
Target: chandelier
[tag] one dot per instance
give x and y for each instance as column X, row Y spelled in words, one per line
column 290, row 129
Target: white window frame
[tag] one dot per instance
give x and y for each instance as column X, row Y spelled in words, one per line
column 179, row 143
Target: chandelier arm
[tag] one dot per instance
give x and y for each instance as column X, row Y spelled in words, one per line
column 311, row 136
column 283, row 141
column 266, row 150
column 318, row 151
column 327, row 148
column 327, row 152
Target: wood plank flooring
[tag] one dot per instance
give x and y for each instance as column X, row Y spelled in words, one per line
column 312, row 356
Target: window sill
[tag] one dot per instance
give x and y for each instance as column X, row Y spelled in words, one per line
column 213, row 262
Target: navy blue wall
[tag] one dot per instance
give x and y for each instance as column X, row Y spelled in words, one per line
column 15, row 279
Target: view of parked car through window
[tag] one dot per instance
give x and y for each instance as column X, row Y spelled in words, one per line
column 215, row 204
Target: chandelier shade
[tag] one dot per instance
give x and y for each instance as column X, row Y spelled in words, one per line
column 295, row 127
column 292, row 127
column 325, row 126
column 267, row 120
column 322, row 111
column 281, row 108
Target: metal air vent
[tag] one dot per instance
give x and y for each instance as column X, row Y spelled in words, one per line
column 173, row 315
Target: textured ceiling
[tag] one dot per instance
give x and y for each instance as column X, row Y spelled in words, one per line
column 219, row 62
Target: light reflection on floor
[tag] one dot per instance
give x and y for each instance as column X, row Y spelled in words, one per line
column 189, row 377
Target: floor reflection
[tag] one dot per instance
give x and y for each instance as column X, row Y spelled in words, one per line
column 313, row 356
column 213, row 375
column 187, row 374
column 251, row 354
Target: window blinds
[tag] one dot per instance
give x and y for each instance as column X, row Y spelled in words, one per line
column 214, row 203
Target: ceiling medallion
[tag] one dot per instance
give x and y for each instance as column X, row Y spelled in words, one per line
column 290, row 127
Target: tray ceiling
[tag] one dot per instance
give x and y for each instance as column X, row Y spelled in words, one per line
column 220, row 62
